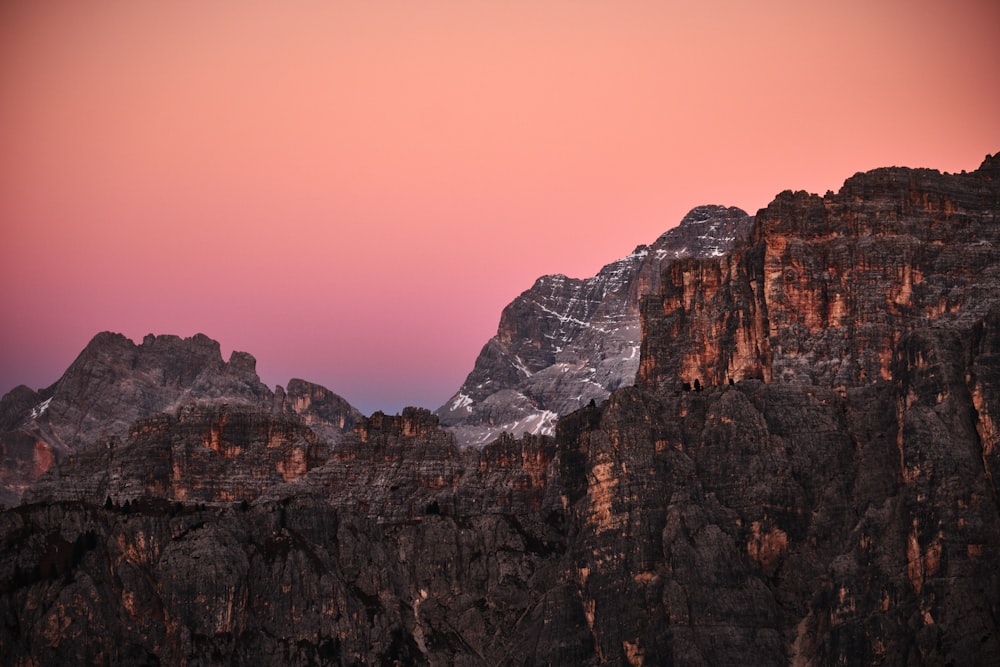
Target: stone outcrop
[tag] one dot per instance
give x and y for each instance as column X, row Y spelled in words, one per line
column 114, row 382
column 800, row 525
column 398, row 548
column 565, row 342
column 204, row 453
column 827, row 286
column 801, row 515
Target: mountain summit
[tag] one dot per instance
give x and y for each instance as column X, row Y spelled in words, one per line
column 565, row 341
column 114, row 382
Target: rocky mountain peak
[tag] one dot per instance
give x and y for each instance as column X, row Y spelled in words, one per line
column 567, row 341
column 114, row 382
column 990, row 168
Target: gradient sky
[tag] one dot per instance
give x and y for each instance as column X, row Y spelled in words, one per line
column 351, row 191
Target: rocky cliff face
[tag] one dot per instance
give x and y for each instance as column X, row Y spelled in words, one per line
column 115, row 382
column 204, row 452
column 567, row 341
column 804, row 518
column 796, row 524
column 398, row 548
column 828, row 286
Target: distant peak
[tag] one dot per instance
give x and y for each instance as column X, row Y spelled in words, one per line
column 704, row 213
column 991, row 163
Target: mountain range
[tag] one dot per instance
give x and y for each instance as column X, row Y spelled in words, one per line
column 114, row 382
column 774, row 440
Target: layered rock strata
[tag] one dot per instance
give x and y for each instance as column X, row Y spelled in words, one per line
column 399, row 548
column 814, row 517
column 203, row 453
column 796, row 524
column 565, row 341
column 827, row 286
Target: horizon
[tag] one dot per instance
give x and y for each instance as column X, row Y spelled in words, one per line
column 352, row 194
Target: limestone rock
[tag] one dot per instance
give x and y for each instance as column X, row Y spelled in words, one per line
column 818, row 510
column 827, row 286
column 204, row 453
column 566, row 341
column 114, row 382
column 399, row 547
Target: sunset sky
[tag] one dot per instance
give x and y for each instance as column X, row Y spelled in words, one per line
column 351, row 191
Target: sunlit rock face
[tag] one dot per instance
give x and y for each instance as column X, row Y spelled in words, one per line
column 567, row 341
column 113, row 382
column 827, row 286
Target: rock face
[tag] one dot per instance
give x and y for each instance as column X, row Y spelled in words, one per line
column 796, row 524
column 114, row 382
column 813, row 517
column 778, row 521
column 827, row 287
column 204, row 452
column 567, row 341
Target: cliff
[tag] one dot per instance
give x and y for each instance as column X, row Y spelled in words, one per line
column 818, row 510
column 566, row 341
column 828, row 286
column 204, row 452
column 399, row 547
column 794, row 524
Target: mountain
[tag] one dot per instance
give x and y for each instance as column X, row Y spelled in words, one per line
column 829, row 287
column 836, row 503
column 114, row 382
column 565, row 342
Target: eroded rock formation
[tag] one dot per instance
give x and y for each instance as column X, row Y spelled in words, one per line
column 204, row 452
column 818, row 510
column 565, row 341
column 114, row 382
column 827, row 286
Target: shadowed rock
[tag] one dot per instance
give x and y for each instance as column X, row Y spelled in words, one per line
column 114, row 382
column 819, row 510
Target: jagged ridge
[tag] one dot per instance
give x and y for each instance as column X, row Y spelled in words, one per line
column 114, row 382
column 565, row 341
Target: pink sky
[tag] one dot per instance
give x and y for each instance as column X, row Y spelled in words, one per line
column 352, row 191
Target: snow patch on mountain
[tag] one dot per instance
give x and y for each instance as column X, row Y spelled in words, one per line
column 40, row 409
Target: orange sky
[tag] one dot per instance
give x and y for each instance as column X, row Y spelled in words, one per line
column 352, row 191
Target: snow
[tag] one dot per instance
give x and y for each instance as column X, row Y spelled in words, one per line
column 566, row 318
column 40, row 409
column 462, row 401
column 519, row 365
column 546, row 423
